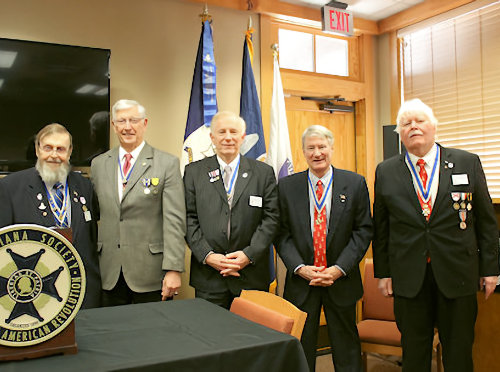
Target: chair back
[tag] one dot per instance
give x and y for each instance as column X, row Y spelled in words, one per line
column 375, row 305
column 261, row 315
column 280, row 305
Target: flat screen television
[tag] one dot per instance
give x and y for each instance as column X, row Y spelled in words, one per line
column 43, row 83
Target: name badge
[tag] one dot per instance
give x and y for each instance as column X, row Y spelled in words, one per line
column 459, row 179
column 255, row 201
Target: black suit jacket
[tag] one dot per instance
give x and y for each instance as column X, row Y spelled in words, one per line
column 253, row 227
column 19, row 204
column 349, row 234
column 403, row 238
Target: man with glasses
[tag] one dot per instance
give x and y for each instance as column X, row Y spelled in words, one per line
column 143, row 220
column 435, row 241
column 51, row 195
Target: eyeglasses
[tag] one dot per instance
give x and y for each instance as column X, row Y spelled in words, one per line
column 60, row 150
column 417, row 121
column 132, row 121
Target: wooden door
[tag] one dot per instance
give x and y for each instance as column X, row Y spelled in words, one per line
column 302, row 114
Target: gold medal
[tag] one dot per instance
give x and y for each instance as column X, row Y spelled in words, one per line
column 456, row 206
column 469, row 206
column 463, row 225
column 155, row 181
column 462, row 205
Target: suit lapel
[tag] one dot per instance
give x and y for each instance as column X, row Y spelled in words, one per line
column 444, row 180
column 111, row 169
column 211, row 165
column 142, row 164
column 339, row 198
column 34, row 188
column 76, row 206
column 404, row 177
column 303, row 207
column 244, row 175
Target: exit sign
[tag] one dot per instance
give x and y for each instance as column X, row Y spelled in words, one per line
column 338, row 21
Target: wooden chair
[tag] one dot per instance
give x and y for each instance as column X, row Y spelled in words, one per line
column 377, row 329
column 277, row 305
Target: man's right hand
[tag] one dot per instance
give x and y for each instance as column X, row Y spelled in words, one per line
column 385, row 286
column 224, row 265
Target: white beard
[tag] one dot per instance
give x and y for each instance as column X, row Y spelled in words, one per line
column 50, row 176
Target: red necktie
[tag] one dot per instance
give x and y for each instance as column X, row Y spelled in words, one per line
column 423, row 176
column 319, row 236
column 126, row 168
column 126, row 165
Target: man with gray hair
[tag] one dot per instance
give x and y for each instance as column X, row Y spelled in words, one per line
column 232, row 216
column 51, row 195
column 142, row 222
column 435, row 241
column 325, row 230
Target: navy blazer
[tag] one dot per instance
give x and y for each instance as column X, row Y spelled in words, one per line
column 403, row 238
column 349, row 234
column 19, row 204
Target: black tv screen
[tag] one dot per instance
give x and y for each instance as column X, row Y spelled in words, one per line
column 43, row 83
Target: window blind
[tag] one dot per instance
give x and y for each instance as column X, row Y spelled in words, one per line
column 454, row 67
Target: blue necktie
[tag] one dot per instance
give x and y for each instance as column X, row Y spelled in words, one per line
column 59, row 199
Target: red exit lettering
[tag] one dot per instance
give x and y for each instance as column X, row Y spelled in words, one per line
column 339, row 21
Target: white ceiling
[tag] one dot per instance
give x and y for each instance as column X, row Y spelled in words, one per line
column 374, row 10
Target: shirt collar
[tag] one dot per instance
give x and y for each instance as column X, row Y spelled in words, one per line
column 428, row 158
column 233, row 164
column 135, row 152
column 324, row 180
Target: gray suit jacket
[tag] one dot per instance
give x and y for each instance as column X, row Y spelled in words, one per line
column 254, row 222
column 144, row 234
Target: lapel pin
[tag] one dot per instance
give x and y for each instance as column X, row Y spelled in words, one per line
column 214, row 175
column 75, row 193
column 42, row 206
column 75, row 200
column 450, row 165
column 244, row 175
column 44, row 214
column 143, row 164
column 342, row 198
column 82, row 200
column 39, row 196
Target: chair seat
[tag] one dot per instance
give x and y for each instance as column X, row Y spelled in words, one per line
column 379, row 332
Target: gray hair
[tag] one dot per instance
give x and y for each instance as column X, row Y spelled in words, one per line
column 124, row 104
column 53, row 129
column 317, row 131
column 413, row 107
column 228, row 115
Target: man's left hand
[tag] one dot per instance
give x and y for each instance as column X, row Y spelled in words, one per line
column 488, row 283
column 326, row 277
column 239, row 258
column 171, row 284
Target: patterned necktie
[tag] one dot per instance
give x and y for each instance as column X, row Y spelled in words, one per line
column 319, row 236
column 426, row 206
column 59, row 199
column 59, row 191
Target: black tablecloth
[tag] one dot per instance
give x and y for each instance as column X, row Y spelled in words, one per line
column 183, row 335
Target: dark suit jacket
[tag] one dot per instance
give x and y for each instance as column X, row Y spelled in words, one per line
column 252, row 227
column 349, row 234
column 19, row 204
column 403, row 238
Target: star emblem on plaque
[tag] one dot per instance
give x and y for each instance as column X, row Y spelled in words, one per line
column 42, row 284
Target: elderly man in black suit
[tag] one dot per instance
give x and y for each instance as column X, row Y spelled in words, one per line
column 435, row 241
column 32, row 196
column 232, row 216
column 325, row 230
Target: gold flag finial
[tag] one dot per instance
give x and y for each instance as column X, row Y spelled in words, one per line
column 205, row 16
column 275, row 49
column 249, row 27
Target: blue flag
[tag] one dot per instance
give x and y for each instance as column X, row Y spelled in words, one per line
column 254, row 145
column 202, row 103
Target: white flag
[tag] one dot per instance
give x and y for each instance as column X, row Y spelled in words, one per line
column 279, row 155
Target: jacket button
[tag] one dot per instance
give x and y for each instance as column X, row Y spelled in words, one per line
column 118, row 245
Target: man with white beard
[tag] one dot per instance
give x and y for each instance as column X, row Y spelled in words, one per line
column 51, row 195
